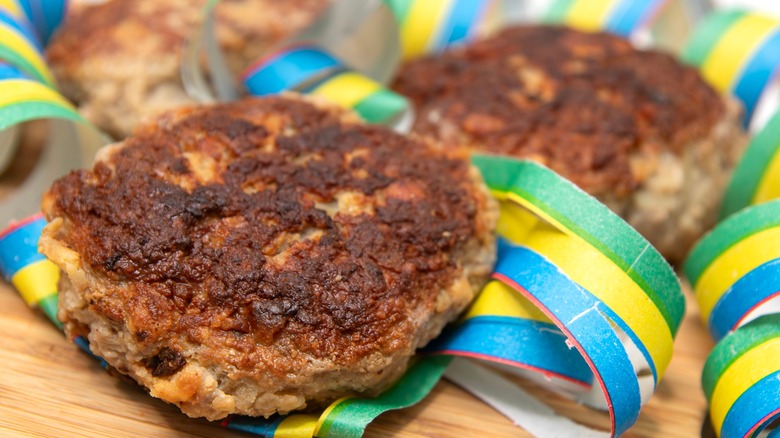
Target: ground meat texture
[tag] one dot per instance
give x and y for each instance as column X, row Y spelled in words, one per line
column 120, row 60
column 267, row 255
column 637, row 129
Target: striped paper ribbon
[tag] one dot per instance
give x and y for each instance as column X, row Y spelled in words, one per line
column 430, row 26
column 741, row 379
column 45, row 15
column 570, row 273
column 311, row 70
column 348, row 417
column 737, row 52
column 735, row 270
column 569, row 262
column 735, row 273
column 756, row 178
column 20, row 45
column 28, row 270
column 621, row 17
column 25, row 95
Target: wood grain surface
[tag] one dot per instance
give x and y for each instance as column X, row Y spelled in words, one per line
column 49, row 388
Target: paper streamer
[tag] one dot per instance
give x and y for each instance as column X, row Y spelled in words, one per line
column 25, row 95
column 430, row 26
column 310, row 63
column 599, row 303
column 591, row 275
column 621, row 17
column 737, row 52
column 348, row 417
column 756, row 178
column 310, row 70
column 730, row 260
column 735, row 270
column 45, row 15
column 741, row 379
column 735, row 273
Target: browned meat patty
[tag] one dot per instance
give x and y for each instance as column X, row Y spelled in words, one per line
column 267, row 255
column 637, row 129
column 119, row 61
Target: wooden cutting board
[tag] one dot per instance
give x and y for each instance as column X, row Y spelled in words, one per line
column 49, row 388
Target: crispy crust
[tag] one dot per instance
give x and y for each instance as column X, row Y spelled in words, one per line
column 636, row 129
column 582, row 103
column 271, row 242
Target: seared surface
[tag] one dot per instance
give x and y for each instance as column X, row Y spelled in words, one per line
column 271, row 242
column 581, row 103
column 636, row 129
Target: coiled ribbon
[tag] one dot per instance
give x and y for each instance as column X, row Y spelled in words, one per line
column 430, row 26
column 735, row 273
column 573, row 279
column 735, row 270
column 756, row 178
column 26, row 94
column 316, row 63
column 621, row 17
column 737, row 52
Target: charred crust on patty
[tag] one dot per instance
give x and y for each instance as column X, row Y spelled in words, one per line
column 264, row 236
column 579, row 102
column 635, row 128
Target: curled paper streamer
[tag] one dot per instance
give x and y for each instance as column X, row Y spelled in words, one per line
column 756, row 178
column 733, row 269
column 45, row 15
column 326, row 59
column 742, row 379
column 573, row 279
column 430, row 26
column 735, row 273
column 310, row 70
column 25, row 95
column 571, row 273
column 621, row 17
column 737, row 52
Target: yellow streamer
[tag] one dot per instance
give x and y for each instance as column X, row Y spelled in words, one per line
column 745, row 372
column 769, row 186
column 498, row 299
column 592, row 270
column 419, row 29
column 733, row 264
column 22, row 90
column 589, row 15
column 22, row 46
column 29, row 279
column 727, row 59
column 347, row 89
column 296, row 426
column 11, row 6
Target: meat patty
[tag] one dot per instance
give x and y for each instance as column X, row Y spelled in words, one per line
column 634, row 128
column 120, row 61
column 267, row 255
